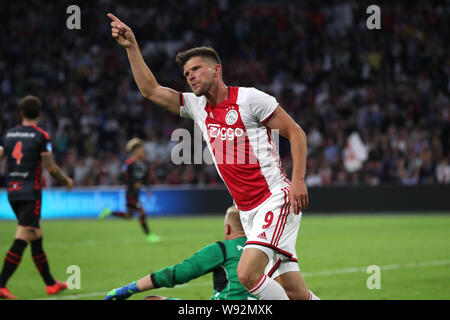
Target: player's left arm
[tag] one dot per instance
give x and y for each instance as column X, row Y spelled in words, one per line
column 202, row 262
column 288, row 128
column 48, row 163
column 2, row 152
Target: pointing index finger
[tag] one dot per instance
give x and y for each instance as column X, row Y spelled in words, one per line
column 113, row 17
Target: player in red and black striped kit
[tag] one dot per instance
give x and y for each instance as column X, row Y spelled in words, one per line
column 135, row 174
column 28, row 149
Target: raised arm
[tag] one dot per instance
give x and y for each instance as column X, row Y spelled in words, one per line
column 55, row 171
column 145, row 80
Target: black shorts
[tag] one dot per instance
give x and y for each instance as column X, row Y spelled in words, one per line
column 28, row 212
column 133, row 200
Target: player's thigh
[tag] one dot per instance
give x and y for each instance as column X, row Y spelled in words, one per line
column 294, row 285
column 251, row 265
column 28, row 215
column 274, row 226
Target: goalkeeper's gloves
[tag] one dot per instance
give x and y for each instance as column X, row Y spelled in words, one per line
column 123, row 293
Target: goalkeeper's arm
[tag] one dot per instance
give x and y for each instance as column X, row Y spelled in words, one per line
column 202, row 262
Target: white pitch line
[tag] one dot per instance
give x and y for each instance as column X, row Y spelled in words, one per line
column 77, row 296
column 306, row 274
column 385, row 267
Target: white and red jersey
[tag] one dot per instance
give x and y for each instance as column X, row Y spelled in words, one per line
column 241, row 145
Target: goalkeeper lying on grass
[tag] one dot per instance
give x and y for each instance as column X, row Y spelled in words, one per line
column 220, row 258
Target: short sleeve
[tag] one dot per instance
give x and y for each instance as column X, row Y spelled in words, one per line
column 191, row 105
column 262, row 105
column 187, row 105
column 46, row 145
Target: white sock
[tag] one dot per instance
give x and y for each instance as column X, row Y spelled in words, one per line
column 268, row 289
column 312, row 296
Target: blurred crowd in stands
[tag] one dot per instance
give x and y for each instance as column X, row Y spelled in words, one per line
column 331, row 73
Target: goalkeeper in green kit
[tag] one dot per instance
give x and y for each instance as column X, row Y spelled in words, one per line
column 220, row 258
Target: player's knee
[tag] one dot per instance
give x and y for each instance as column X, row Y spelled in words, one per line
column 247, row 277
column 29, row 234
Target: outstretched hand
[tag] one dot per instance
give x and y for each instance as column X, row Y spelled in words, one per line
column 118, row 294
column 123, row 293
column 121, row 32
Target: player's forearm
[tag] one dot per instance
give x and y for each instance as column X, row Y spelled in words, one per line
column 144, row 78
column 145, row 283
column 57, row 173
column 298, row 143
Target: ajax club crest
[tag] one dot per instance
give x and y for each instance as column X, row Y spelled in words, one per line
column 231, row 117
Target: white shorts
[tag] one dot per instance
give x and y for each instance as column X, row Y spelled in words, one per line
column 272, row 228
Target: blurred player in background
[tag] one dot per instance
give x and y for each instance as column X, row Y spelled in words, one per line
column 27, row 149
column 135, row 172
column 220, row 258
column 270, row 205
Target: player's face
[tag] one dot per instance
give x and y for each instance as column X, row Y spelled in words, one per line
column 200, row 75
column 139, row 152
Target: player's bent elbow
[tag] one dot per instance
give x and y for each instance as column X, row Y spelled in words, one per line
column 146, row 94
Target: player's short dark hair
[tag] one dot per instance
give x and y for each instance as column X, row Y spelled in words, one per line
column 30, row 106
column 206, row 52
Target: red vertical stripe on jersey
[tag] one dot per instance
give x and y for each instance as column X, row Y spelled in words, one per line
column 245, row 181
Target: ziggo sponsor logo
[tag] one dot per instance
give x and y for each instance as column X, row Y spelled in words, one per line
column 215, row 131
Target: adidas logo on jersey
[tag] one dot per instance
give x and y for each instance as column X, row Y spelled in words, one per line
column 262, row 236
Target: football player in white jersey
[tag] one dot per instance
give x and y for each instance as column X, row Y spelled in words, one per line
column 270, row 205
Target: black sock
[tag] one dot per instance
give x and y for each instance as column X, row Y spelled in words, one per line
column 12, row 260
column 40, row 260
column 144, row 224
column 120, row 214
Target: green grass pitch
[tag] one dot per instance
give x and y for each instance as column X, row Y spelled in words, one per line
column 413, row 252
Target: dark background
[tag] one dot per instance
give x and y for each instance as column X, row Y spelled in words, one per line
column 332, row 74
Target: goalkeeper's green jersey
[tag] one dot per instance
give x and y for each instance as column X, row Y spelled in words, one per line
column 220, row 258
